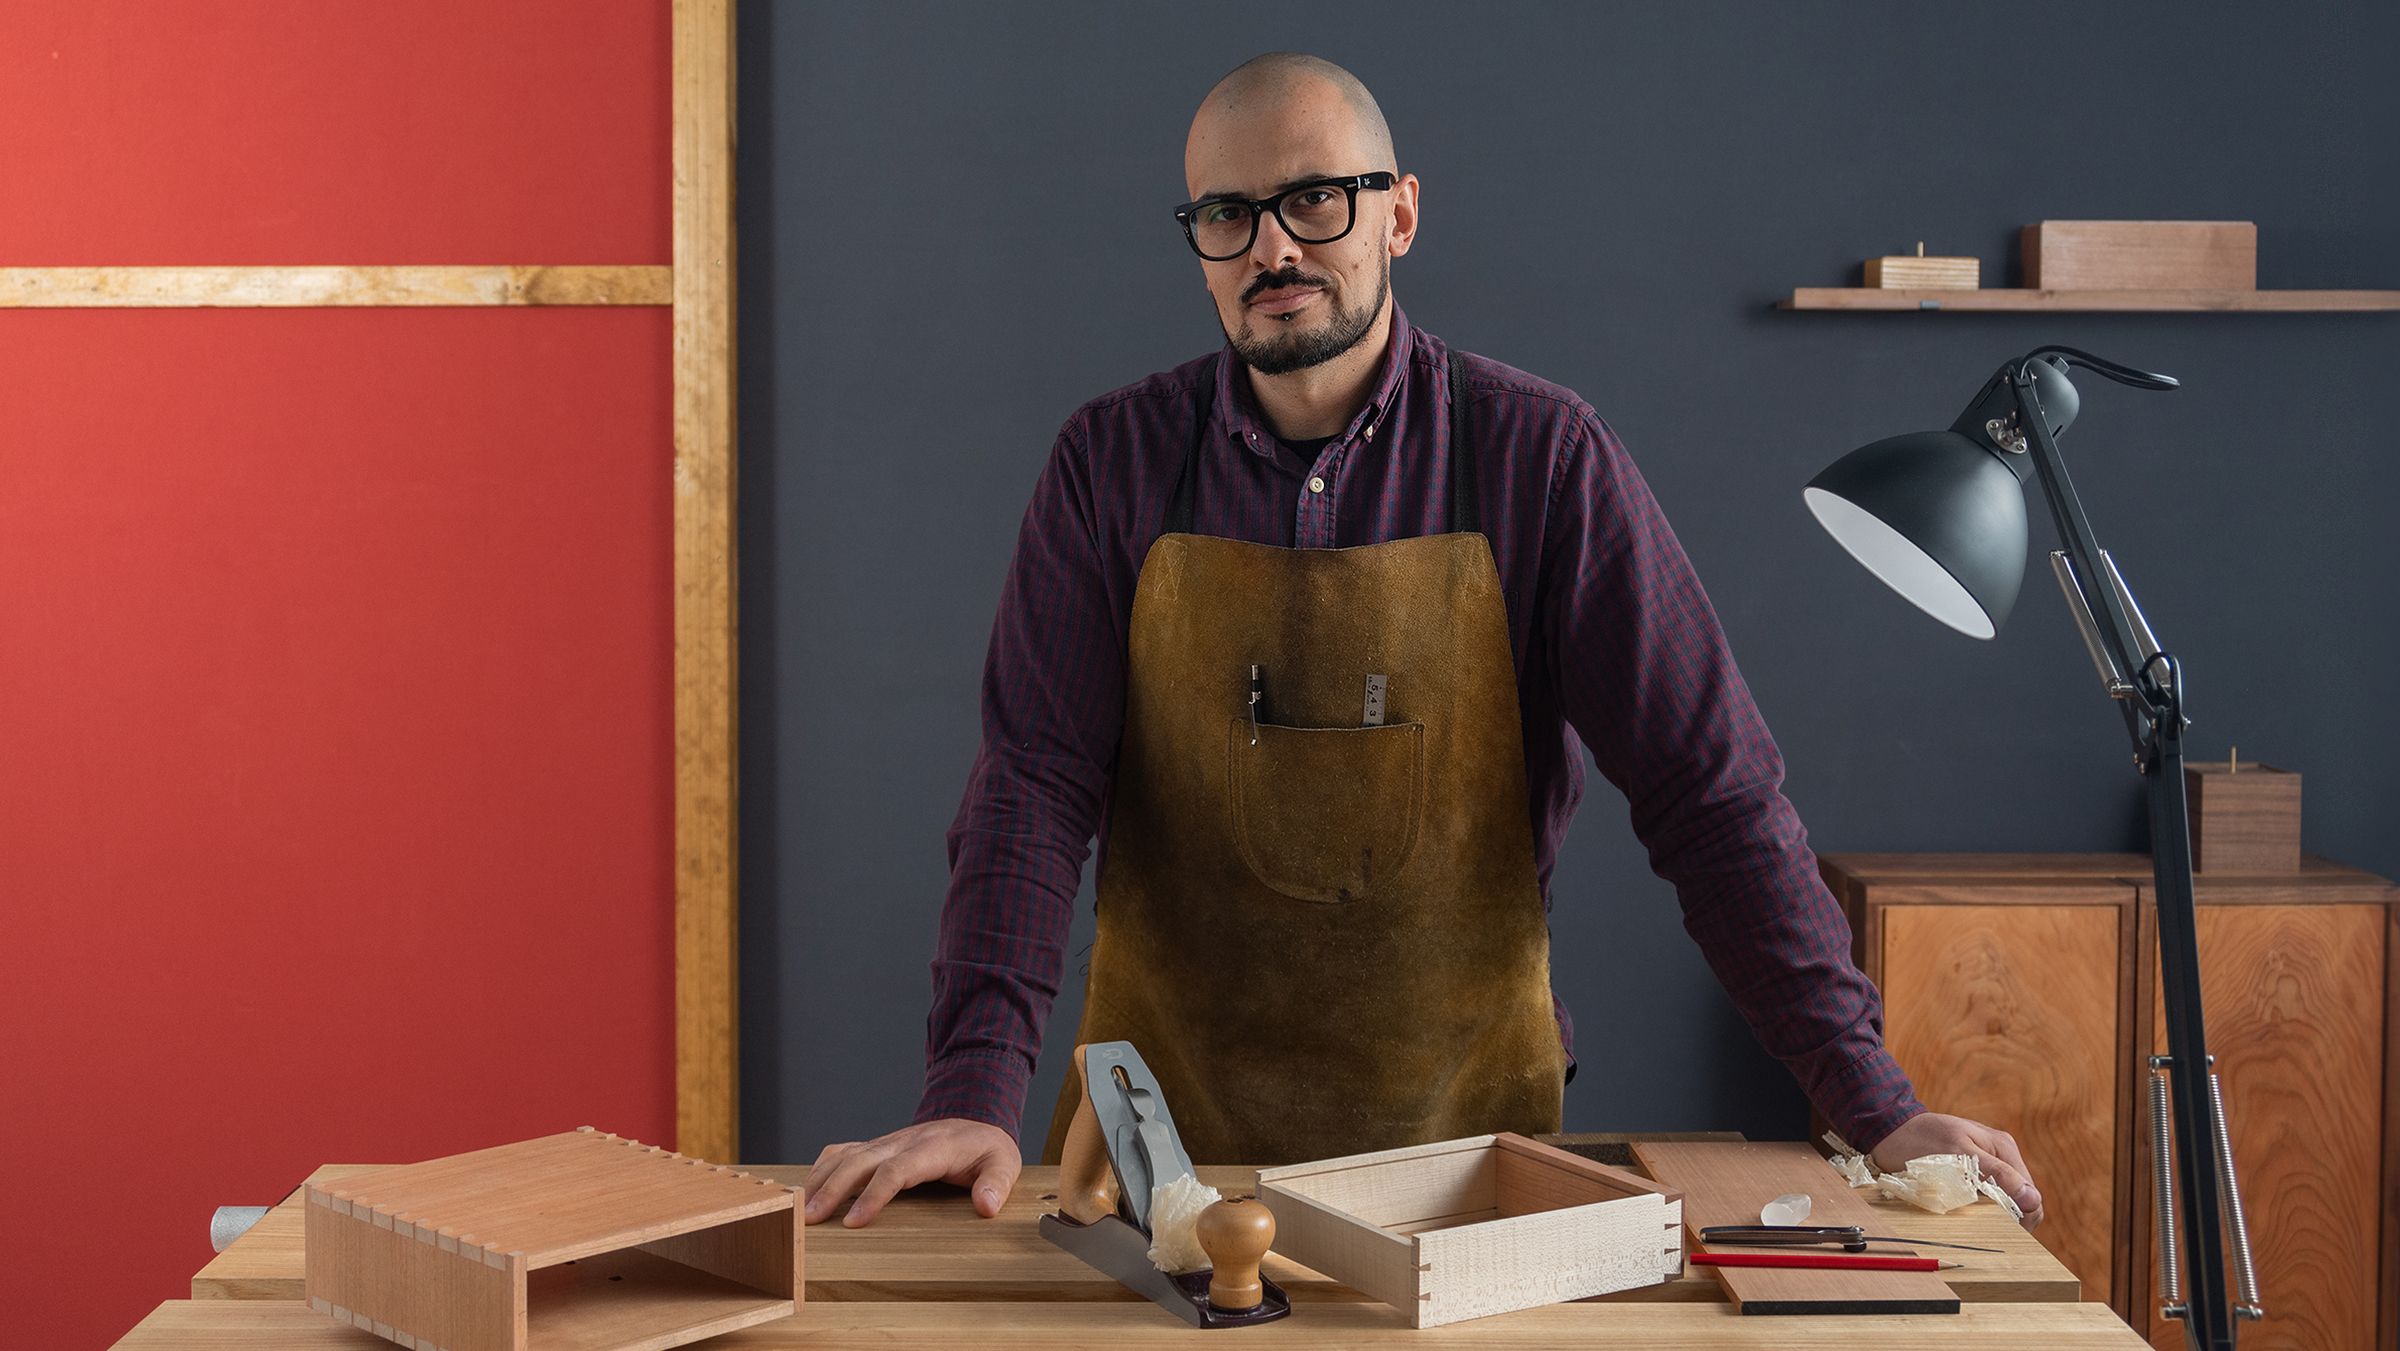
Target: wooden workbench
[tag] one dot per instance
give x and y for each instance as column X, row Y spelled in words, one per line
column 930, row 1244
column 930, row 1273
column 276, row 1325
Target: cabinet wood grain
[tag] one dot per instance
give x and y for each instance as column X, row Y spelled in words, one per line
column 2010, row 1014
column 2303, row 1010
column 2296, row 1005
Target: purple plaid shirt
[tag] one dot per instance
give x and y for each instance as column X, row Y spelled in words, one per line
column 1614, row 642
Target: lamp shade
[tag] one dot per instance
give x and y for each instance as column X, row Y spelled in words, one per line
column 1939, row 517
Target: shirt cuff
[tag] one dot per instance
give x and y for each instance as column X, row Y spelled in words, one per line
column 986, row 1086
column 1867, row 1099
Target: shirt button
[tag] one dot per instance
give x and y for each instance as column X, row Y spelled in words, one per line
column 1316, row 485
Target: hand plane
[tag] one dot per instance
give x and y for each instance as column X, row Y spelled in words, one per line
column 1121, row 1147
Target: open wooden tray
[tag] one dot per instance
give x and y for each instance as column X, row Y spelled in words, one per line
column 579, row 1240
column 1465, row 1228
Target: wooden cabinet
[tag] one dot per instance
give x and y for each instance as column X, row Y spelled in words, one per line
column 2022, row 990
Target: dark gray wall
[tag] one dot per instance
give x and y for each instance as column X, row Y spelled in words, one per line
column 954, row 228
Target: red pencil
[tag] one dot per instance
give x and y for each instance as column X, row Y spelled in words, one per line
column 1816, row 1261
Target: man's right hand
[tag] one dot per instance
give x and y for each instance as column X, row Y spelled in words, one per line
column 969, row 1153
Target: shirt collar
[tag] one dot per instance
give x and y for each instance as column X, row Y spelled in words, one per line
column 1237, row 412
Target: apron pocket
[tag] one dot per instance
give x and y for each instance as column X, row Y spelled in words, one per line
column 1326, row 814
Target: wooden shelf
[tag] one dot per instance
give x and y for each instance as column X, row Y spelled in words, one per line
column 1868, row 298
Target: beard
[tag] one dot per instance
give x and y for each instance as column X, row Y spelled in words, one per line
column 1277, row 352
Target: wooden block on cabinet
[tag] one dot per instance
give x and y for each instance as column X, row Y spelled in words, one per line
column 1466, row 1228
column 1901, row 272
column 578, row 1240
column 2141, row 255
column 2245, row 820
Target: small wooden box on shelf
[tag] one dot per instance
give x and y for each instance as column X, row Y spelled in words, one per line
column 1464, row 1228
column 578, row 1240
column 2138, row 255
column 1900, row 272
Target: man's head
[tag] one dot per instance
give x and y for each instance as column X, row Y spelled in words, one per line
column 1276, row 121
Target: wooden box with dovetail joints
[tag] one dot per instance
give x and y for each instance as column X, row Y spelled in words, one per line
column 1466, row 1228
column 581, row 1239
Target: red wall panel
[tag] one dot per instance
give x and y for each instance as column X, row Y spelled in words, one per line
column 333, row 131
column 335, row 656
column 335, row 762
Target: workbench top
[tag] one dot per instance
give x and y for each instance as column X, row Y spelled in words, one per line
column 929, row 1270
column 276, row 1325
column 930, row 1244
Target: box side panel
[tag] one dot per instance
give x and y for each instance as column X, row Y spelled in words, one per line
column 1534, row 1177
column 1289, row 1171
column 1376, row 1264
column 410, row 1285
column 1408, row 1191
column 1548, row 1258
column 762, row 1252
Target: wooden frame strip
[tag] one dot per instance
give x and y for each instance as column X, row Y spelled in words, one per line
column 243, row 287
column 707, row 1061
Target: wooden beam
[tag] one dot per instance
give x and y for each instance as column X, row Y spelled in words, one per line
column 706, row 1017
column 197, row 287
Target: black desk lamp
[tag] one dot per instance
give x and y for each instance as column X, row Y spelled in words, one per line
column 1940, row 517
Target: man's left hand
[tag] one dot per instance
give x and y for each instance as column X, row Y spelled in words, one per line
column 1994, row 1151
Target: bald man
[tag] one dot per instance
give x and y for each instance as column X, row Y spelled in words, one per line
column 1309, row 630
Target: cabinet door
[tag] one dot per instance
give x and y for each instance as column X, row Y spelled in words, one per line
column 2294, row 1001
column 2011, row 1014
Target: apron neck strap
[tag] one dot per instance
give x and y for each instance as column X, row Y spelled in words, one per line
column 1464, row 506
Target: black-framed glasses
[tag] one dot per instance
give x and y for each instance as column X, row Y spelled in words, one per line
column 1319, row 211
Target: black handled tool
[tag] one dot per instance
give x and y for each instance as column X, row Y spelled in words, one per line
column 1850, row 1237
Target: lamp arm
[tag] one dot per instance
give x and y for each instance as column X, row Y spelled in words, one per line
column 2116, row 628
column 2153, row 708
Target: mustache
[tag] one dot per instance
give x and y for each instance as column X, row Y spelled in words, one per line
column 1290, row 276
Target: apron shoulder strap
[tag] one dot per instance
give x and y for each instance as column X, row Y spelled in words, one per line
column 1465, row 506
column 1465, row 512
column 1187, row 483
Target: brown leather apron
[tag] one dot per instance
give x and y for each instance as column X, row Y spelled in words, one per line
column 1328, row 939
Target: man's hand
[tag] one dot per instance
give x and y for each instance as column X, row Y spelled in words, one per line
column 969, row 1153
column 1994, row 1151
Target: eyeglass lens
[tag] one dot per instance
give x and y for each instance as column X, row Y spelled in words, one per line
column 1317, row 215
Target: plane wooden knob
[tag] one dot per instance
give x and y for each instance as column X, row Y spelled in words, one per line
column 1235, row 1233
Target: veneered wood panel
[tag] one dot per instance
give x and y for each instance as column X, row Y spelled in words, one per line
column 2295, row 1001
column 1724, row 1184
column 2010, row 1014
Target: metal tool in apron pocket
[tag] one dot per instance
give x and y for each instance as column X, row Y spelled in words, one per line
column 1121, row 1147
